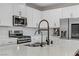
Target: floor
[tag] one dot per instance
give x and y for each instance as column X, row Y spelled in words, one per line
column 61, row 47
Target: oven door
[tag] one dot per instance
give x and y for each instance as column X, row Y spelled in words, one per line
column 19, row 21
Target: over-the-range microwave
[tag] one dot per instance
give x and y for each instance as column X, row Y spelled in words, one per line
column 19, row 21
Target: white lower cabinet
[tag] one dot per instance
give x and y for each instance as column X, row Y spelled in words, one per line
column 10, row 41
column 5, row 14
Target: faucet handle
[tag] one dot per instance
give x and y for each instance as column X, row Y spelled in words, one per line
column 51, row 42
column 47, row 41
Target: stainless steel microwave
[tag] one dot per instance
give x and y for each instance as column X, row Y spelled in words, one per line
column 19, row 21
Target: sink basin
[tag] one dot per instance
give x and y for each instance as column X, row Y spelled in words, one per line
column 37, row 44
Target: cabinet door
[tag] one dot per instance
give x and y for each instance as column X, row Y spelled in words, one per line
column 23, row 10
column 67, row 12
column 5, row 14
column 53, row 17
column 47, row 15
column 33, row 17
column 29, row 17
column 16, row 9
column 70, row 12
column 56, row 17
column 36, row 14
column 19, row 8
column 75, row 11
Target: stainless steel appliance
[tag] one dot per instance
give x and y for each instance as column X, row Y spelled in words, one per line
column 19, row 35
column 19, row 21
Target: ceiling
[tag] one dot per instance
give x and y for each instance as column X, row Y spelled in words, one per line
column 48, row 6
column 43, row 4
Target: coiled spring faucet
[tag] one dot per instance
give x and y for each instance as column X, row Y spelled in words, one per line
column 39, row 30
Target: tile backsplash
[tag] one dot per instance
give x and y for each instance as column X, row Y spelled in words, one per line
column 4, row 31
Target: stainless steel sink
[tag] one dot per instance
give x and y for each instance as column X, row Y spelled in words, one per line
column 36, row 44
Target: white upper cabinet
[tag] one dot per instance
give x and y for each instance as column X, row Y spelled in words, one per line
column 47, row 15
column 29, row 17
column 36, row 14
column 53, row 17
column 5, row 14
column 67, row 12
column 8, row 10
column 33, row 17
column 56, row 17
column 19, row 9
column 15, row 9
column 23, row 10
column 75, row 11
column 70, row 12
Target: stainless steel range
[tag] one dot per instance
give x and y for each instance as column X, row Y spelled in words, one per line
column 20, row 37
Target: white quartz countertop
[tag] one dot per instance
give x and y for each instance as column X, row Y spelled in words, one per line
column 61, row 47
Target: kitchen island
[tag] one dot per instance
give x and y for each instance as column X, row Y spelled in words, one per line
column 60, row 47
